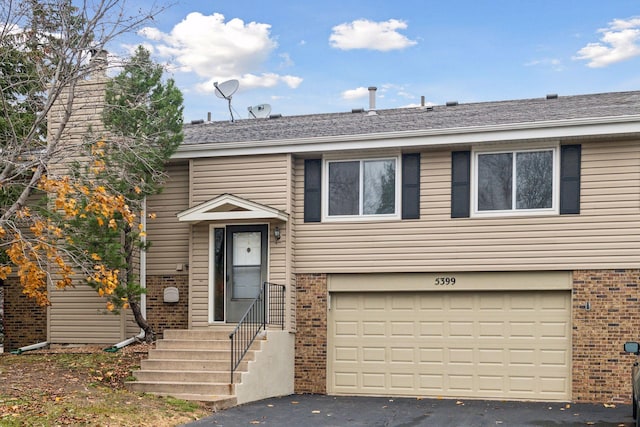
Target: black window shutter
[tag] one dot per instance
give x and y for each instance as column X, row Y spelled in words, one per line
column 460, row 184
column 312, row 190
column 570, row 179
column 411, row 186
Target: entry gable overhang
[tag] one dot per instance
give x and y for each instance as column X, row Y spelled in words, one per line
column 228, row 207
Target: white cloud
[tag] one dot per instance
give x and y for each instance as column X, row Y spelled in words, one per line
column 357, row 93
column 291, row 81
column 217, row 50
column 365, row 34
column 253, row 81
column 286, row 60
column 553, row 63
column 619, row 42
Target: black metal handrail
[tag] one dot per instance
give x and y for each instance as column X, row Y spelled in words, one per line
column 266, row 309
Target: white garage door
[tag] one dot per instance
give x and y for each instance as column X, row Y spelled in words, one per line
column 496, row 345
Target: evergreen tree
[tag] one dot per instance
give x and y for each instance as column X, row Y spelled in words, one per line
column 143, row 119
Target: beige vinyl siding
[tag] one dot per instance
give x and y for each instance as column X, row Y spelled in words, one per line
column 132, row 327
column 261, row 179
column 199, row 269
column 291, row 248
column 606, row 234
column 169, row 238
column 78, row 316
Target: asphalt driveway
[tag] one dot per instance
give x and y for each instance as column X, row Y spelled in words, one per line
column 329, row 411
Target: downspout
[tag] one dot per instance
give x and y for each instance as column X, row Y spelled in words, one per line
column 30, row 347
column 143, row 261
column 143, row 284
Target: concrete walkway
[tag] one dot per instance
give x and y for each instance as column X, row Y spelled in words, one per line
column 330, row 411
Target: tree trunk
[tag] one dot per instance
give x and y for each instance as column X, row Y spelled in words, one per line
column 149, row 335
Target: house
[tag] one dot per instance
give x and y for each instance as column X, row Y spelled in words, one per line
column 481, row 250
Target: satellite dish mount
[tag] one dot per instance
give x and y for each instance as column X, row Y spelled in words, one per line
column 225, row 90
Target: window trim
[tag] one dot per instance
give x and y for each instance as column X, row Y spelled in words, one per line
column 360, row 217
column 555, row 202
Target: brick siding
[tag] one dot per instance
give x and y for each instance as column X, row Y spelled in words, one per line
column 25, row 322
column 311, row 334
column 601, row 369
column 162, row 315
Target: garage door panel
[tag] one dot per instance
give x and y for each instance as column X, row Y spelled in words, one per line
column 373, row 354
column 374, row 329
column 465, row 344
column 432, row 329
column 522, row 330
column 403, row 302
column 557, row 358
column 491, row 356
column 346, row 380
column 346, row 354
column 431, row 382
column 491, row 383
column 346, row 329
column 373, row 380
column 553, row 385
column 431, row 303
column 553, row 329
column 491, row 329
column 402, row 329
column 432, row 355
column 461, row 329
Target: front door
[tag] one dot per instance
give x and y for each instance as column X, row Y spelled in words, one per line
column 246, row 267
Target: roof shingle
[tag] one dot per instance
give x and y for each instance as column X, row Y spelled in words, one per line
column 418, row 118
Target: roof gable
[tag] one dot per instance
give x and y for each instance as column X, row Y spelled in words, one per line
column 229, row 207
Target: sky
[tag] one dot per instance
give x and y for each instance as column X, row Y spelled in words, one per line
column 309, row 56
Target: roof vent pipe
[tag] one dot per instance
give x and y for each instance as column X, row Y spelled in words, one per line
column 372, row 101
column 422, row 101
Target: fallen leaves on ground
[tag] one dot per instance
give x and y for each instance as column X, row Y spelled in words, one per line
column 83, row 386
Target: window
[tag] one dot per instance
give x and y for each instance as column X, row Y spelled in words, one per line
column 361, row 188
column 516, row 181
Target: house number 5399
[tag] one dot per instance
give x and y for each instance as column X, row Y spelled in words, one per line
column 445, row 281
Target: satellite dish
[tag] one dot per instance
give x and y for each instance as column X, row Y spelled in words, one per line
column 226, row 89
column 259, row 111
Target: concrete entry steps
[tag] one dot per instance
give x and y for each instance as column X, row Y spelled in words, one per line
column 193, row 364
